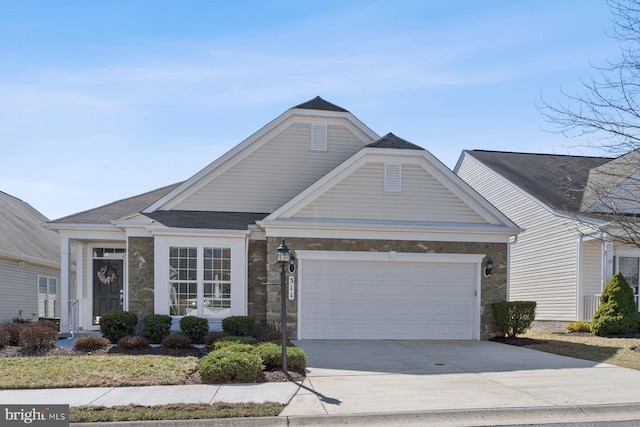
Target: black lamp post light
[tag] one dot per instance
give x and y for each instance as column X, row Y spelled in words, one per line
column 286, row 261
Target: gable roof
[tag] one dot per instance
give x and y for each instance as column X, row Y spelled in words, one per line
column 392, row 141
column 314, row 108
column 22, row 233
column 556, row 180
column 206, row 219
column 118, row 209
column 318, row 103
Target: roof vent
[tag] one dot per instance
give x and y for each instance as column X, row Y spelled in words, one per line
column 318, row 137
column 392, row 178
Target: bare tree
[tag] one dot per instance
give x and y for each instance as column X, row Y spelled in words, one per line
column 608, row 110
column 608, row 107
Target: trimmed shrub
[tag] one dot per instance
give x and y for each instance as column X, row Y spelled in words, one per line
column 580, row 326
column 212, row 336
column 241, row 326
column 133, row 342
column 156, row 327
column 5, row 338
column 229, row 340
column 271, row 355
column 617, row 313
column 176, row 341
column 117, row 324
column 234, row 346
column 194, row 327
column 37, row 337
column 514, row 317
column 223, row 365
column 91, row 343
column 48, row 324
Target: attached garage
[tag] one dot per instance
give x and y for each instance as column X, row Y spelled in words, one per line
column 373, row 295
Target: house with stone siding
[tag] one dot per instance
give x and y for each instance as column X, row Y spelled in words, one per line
column 388, row 242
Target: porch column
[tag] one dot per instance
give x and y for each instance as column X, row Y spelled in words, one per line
column 607, row 262
column 65, row 285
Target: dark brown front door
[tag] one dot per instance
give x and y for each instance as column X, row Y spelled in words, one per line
column 107, row 287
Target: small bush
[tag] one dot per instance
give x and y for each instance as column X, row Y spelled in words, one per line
column 194, row 327
column 21, row 320
column 133, row 342
column 156, row 327
column 234, row 346
column 48, row 324
column 223, row 365
column 14, row 329
column 514, row 317
column 91, row 343
column 117, row 324
column 176, row 341
column 5, row 338
column 617, row 312
column 229, row 340
column 579, row 326
column 212, row 336
column 271, row 355
column 37, row 337
column 241, row 326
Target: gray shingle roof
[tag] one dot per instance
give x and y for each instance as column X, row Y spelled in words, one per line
column 556, row 180
column 206, row 219
column 318, row 103
column 116, row 210
column 22, row 231
column 392, row 141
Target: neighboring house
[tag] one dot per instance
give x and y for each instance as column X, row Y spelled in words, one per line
column 29, row 263
column 568, row 249
column 389, row 242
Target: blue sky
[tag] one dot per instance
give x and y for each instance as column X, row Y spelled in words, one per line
column 102, row 100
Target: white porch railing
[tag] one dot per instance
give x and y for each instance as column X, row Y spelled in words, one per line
column 591, row 303
column 74, row 316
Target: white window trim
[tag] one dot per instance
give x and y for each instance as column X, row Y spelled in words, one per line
column 48, row 295
column 238, row 270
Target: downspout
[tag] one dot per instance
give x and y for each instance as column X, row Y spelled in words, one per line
column 579, row 315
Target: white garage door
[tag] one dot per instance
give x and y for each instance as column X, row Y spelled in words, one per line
column 387, row 300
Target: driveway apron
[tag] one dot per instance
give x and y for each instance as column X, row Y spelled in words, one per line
column 363, row 377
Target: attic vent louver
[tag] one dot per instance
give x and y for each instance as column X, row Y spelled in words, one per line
column 319, row 137
column 392, row 178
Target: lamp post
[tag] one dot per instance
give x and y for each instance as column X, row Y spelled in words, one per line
column 283, row 256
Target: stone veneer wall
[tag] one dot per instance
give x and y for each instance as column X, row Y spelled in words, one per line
column 140, row 257
column 257, row 280
column 493, row 288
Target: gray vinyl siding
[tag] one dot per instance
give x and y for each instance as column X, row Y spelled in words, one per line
column 543, row 264
column 19, row 289
column 361, row 196
column 257, row 183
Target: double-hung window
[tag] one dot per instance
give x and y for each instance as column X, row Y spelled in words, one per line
column 199, row 281
column 47, row 291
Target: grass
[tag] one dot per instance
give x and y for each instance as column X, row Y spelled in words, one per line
column 614, row 351
column 173, row 412
column 94, row 371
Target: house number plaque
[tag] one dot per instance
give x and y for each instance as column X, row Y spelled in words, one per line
column 292, row 282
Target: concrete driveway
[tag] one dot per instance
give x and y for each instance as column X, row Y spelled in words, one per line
column 391, row 377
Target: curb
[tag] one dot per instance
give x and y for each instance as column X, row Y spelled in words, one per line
column 462, row 417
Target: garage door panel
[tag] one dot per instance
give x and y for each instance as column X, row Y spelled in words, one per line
column 383, row 300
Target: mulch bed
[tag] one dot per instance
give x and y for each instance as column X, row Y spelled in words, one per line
column 194, row 378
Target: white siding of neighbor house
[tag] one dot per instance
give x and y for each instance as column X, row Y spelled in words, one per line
column 544, row 259
column 258, row 183
column 592, row 267
column 19, row 289
column 362, row 196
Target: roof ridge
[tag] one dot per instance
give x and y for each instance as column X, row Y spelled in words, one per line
column 538, row 154
column 319, row 103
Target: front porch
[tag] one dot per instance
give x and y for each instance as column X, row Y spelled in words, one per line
column 592, row 302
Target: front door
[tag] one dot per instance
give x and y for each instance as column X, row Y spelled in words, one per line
column 108, row 294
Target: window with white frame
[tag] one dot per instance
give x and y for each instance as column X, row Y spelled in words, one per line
column 630, row 269
column 199, row 281
column 47, row 291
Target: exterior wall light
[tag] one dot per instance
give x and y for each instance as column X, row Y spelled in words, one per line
column 488, row 268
